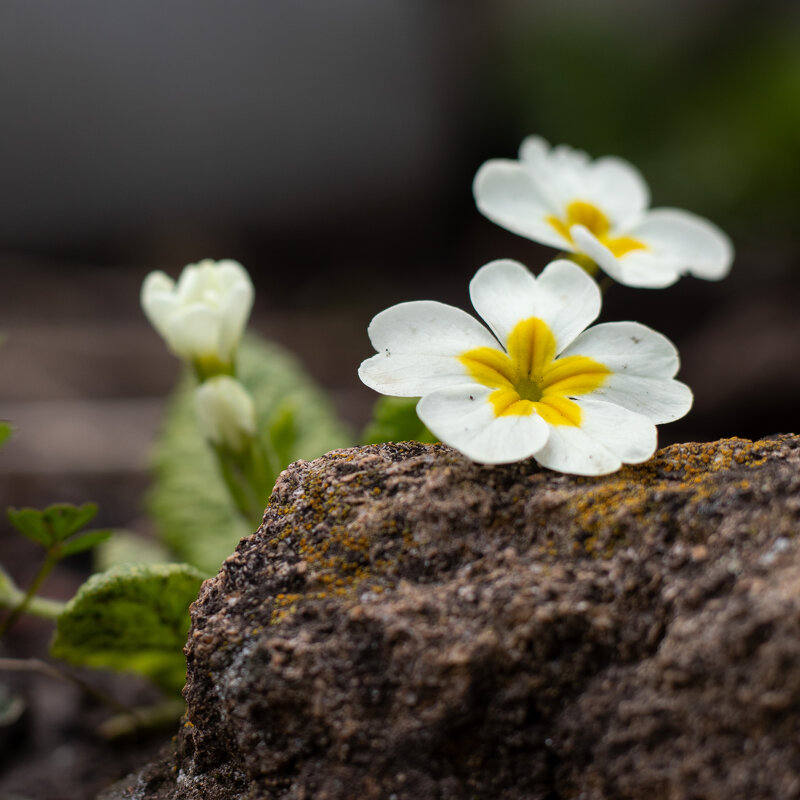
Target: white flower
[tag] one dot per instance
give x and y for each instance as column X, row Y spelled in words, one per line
column 225, row 412
column 536, row 385
column 598, row 209
column 203, row 315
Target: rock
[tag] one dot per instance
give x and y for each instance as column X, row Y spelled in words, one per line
column 408, row 625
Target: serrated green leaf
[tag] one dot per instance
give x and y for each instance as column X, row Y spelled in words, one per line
column 394, row 419
column 84, row 541
column 65, row 519
column 189, row 502
column 52, row 524
column 6, row 429
column 29, row 522
column 131, row 618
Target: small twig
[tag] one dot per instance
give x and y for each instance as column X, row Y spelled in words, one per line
column 156, row 716
column 51, row 671
column 126, row 721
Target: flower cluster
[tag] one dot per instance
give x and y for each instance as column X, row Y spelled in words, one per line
column 202, row 317
column 538, row 381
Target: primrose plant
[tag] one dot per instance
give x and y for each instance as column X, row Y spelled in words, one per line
column 242, row 412
column 202, row 317
column 538, row 382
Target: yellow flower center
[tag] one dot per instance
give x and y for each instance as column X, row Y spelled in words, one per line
column 592, row 218
column 529, row 378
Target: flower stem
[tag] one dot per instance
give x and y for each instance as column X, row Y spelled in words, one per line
column 136, row 720
column 42, row 607
column 27, row 599
column 606, row 283
column 249, row 477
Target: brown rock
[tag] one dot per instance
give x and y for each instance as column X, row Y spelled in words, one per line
column 408, row 625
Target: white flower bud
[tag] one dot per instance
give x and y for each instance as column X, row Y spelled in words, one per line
column 203, row 315
column 225, row 412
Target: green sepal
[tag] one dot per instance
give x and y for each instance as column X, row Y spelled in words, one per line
column 394, row 419
column 52, row 524
column 85, row 541
column 194, row 514
column 133, row 618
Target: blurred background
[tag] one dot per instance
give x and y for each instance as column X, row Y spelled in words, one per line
column 330, row 147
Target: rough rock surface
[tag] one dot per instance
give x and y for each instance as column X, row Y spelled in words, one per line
column 408, row 625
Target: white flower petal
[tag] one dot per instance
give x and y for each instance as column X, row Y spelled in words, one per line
column 639, row 268
column 418, row 344
column 235, row 309
column 658, row 400
column 617, row 188
column 157, row 299
column 607, row 437
column 534, row 152
column 685, row 242
column 503, row 292
column 411, row 374
column 628, row 347
column 191, row 283
column 193, row 332
column 463, row 417
column 229, row 271
column 427, row 327
column 511, row 196
column 567, row 299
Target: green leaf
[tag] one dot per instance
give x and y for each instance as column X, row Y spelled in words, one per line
column 53, row 524
column 394, row 419
column 6, row 429
column 127, row 547
column 64, row 519
column 86, row 541
column 131, row 618
column 29, row 522
column 282, row 434
column 194, row 514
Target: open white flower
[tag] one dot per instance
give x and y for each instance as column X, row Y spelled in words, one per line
column 583, row 402
column 225, row 412
column 599, row 209
column 203, row 315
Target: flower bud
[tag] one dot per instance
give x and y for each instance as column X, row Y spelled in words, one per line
column 225, row 412
column 203, row 315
